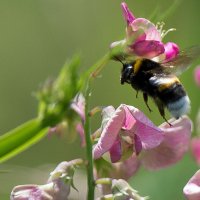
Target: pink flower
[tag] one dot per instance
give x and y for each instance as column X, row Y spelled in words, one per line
column 192, row 188
column 195, row 149
column 56, row 188
column 118, row 189
column 197, row 75
column 129, row 130
column 174, row 145
column 48, row 191
column 78, row 105
column 126, row 121
column 144, row 39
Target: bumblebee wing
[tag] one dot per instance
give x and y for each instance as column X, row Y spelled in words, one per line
column 182, row 61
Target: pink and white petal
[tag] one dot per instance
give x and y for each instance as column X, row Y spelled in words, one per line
column 171, row 51
column 134, row 36
column 125, row 169
column 148, row 48
column 119, row 43
column 116, row 151
column 25, row 192
column 149, row 134
column 107, row 113
column 78, row 105
column 109, row 134
column 192, row 188
column 80, row 130
column 197, row 75
column 130, row 120
column 195, row 149
column 137, row 145
column 128, row 15
column 147, row 27
column 173, row 147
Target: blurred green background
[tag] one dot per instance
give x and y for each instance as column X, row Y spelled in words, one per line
column 37, row 37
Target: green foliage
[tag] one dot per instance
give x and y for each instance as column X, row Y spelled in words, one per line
column 55, row 96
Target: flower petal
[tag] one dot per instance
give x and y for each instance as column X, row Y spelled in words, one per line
column 171, row 51
column 173, row 147
column 148, row 48
column 137, row 145
column 78, row 105
column 192, row 188
column 128, row 15
column 130, row 120
column 148, row 28
column 149, row 134
column 195, row 148
column 116, row 151
column 24, row 192
column 125, row 169
column 110, row 133
column 80, row 130
column 197, row 75
column 107, row 113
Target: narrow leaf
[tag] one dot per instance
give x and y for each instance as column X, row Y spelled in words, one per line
column 20, row 138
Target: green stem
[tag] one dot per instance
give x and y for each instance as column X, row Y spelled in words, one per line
column 90, row 176
column 90, row 75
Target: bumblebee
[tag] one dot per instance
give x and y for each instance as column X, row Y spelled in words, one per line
column 159, row 81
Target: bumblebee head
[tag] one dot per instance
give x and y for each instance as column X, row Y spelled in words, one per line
column 126, row 72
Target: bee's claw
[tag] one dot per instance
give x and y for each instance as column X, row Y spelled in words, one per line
column 167, row 121
column 145, row 97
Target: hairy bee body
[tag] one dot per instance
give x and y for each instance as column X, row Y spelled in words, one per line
column 165, row 88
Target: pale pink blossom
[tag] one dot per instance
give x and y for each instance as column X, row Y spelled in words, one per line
column 174, row 145
column 192, row 188
column 119, row 189
column 56, row 188
column 129, row 130
column 127, row 121
column 78, row 105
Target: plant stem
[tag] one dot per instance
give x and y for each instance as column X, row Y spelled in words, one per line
column 90, row 75
column 90, row 176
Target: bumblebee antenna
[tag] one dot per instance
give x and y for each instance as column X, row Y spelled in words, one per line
column 116, row 58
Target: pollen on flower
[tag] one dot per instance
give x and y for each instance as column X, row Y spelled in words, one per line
column 162, row 31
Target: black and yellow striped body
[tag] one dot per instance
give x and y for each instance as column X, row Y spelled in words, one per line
column 147, row 76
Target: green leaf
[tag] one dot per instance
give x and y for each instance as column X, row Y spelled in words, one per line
column 55, row 97
column 20, row 138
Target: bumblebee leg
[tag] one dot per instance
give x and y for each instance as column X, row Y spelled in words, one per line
column 162, row 111
column 145, row 97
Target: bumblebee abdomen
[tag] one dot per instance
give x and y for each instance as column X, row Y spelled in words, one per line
column 171, row 92
column 179, row 107
column 175, row 99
